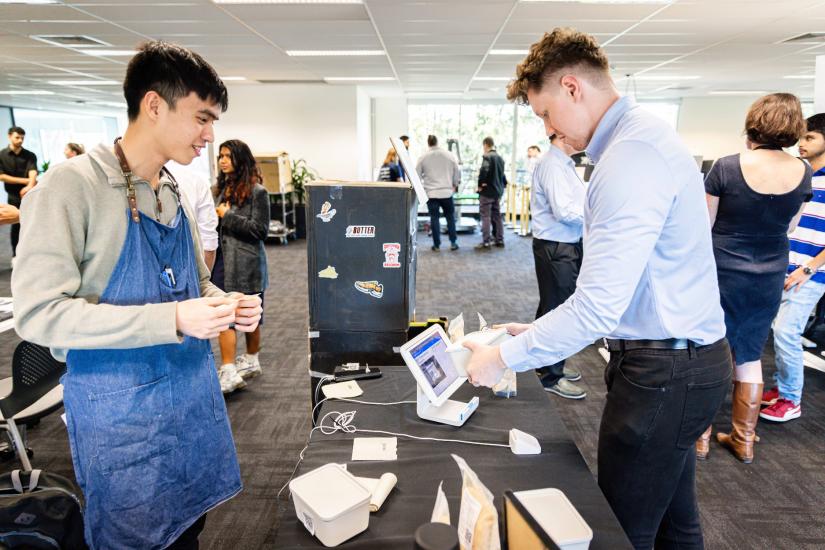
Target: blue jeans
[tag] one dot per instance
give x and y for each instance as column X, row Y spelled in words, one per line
column 447, row 206
column 788, row 327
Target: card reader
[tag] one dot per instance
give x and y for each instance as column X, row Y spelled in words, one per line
column 354, row 371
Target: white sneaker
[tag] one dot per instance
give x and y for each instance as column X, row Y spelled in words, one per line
column 229, row 378
column 248, row 367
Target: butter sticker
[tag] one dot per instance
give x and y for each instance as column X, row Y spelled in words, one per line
column 392, row 251
column 373, row 288
column 360, row 231
column 327, row 212
column 328, row 273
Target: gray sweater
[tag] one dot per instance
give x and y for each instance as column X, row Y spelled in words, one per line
column 72, row 228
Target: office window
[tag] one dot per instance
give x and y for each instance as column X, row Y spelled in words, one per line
column 48, row 132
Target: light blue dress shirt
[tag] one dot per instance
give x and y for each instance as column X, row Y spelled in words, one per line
column 648, row 270
column 557, row 201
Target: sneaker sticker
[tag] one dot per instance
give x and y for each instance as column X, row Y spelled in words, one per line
column 327, row 212
column 328, row 273
column 391, row 253
column 360, row 231
column 373, row 288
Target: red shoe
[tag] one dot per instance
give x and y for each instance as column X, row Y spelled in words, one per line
column 781, row 411
column 769, row 397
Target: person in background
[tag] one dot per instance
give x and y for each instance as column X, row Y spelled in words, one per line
column 18, row 172
column 390, row 169
column 118, row 289
column 197, row 192
column 440, row 177
column 644, row 284
column 533, row 155
column 240, row 266
column 557, row 207
column 491, row 183
column 73, row 149
column 405, row 139
column 804, row 286
column 754, row 200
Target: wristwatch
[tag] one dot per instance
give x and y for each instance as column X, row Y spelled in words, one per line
column 807, row 270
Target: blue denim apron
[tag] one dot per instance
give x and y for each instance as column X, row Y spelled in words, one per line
column 148, row 429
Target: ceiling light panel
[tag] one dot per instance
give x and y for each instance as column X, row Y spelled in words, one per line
column 285, row 2
column 86, row 82
column 335, row 53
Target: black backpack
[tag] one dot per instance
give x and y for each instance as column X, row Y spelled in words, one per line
column 40, row 510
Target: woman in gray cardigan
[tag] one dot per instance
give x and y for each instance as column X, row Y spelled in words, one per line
column 243, row 209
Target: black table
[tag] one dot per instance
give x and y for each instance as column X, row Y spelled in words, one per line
column 421, row 465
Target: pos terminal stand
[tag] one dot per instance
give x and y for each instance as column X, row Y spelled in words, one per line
column 437, row 378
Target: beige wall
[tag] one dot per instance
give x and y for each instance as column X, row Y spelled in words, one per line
column 316, row 122
column 713, row 126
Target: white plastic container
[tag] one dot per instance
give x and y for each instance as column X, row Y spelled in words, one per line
column 558, row 517
column 331, row 504
column 461, row 355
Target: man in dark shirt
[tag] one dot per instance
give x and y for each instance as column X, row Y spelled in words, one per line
column 491, row 183
column 18, row 172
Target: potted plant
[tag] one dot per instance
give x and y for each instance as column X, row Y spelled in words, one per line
column 301, row 174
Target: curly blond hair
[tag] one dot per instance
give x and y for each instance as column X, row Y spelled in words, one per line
column 564, row 48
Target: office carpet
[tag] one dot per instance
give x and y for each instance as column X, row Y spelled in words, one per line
column 775, row 503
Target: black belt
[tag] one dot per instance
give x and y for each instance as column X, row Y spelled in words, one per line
column 670, row 343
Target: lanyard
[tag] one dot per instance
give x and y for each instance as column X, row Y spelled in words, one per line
column 130, row 186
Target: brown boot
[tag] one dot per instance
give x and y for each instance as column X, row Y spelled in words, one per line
column 703, row 444
column 746, row 401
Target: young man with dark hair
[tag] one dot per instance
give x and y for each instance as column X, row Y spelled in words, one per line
column 18, row 172
column 644, row 284
column 557, row 212
column 491, row 183
column 804, row 286
column 118, row 288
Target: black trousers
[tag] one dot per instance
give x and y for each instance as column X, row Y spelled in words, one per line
column 189, row 538
column 14, row 200
column 557, row 268
column 658, row 403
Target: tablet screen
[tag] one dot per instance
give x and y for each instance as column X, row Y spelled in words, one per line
column 432, row 359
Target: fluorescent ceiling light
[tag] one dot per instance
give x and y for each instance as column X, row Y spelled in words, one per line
column 87, row 82
column 433, row 95
column 108, row 53
column 28, row 1
column 358, row 78
column 25, row 92
column 800, row 76
column 108, row 104
column 607, row 1
column 494, row 78
column 509, row 52
column 657, row 78
column 288, row 1
column 333, row 53
column 737, row 92
column 232, row 78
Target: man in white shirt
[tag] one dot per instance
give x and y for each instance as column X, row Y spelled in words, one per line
column 440, row 177
column 195, row 189
column 557, row 207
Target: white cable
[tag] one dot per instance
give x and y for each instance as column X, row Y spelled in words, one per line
column 318, row 404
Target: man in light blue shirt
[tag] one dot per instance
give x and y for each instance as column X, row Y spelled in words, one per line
column 647, row 282
column 557, row 209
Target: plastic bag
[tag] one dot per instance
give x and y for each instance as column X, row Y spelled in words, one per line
column 441, row 510
column 478, row 518
column 506, row 387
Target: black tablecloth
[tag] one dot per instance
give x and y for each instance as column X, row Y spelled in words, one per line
column 421, row 465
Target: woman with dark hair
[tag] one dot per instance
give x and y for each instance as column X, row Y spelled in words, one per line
column 754, row 200
column 240, row 265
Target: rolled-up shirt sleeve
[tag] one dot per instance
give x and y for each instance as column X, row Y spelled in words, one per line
column 628, row 205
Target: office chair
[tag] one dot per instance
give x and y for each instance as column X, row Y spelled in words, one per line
column 32, row 392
